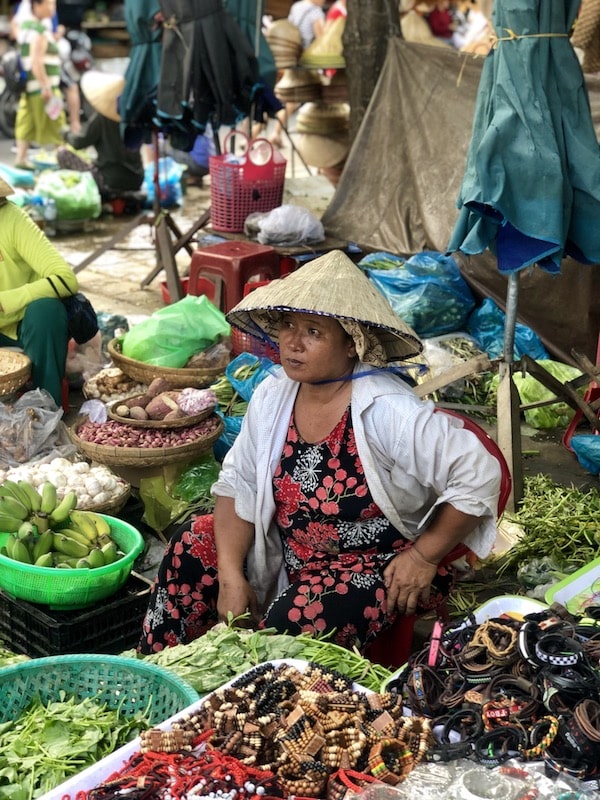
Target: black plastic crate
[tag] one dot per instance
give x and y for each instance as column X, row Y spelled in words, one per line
column 110, row 626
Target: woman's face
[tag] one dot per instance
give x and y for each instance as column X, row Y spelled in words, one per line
column 314, row 348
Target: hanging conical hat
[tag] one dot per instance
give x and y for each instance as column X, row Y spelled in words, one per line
column 102, row 90
column 323, row 151
column 327, row 50
column 5, row 188
column 331, row 285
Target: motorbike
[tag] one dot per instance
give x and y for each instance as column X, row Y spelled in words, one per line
column 80, row 60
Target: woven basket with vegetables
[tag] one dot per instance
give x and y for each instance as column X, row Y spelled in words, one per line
column 69, row 712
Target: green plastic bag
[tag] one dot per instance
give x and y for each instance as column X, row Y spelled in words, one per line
column 173, row 334
column 75, row 193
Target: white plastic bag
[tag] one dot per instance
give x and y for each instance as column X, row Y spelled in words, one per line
column 290, row 225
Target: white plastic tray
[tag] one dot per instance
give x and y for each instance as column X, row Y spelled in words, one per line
column 513, row 605
column 96, row 774
column 579, row 590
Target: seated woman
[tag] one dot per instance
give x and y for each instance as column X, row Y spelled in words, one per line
column 33, row 276
column 343, row 491
column 117, row 169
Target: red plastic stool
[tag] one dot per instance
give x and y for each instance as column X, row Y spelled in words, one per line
column 233, row 264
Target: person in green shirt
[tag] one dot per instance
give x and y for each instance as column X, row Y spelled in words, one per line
column 32, row 316
column 38, row 119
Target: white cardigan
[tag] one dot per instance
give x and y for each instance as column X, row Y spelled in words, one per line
column 413, row 461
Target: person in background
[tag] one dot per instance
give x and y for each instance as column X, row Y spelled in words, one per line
column 23, row 11
column 116, row 167
column 344, row 497
column 32, row 317
column 41, row 62
column 308, row 16
column 441, row 20
column 337, row 9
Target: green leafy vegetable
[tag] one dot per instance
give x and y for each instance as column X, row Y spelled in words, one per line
column 52, row 741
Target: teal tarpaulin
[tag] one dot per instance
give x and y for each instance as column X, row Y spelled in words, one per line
column 531, row 188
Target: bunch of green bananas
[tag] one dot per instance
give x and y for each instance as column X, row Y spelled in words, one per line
column 46, row 532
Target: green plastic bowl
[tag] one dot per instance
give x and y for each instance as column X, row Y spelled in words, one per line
column 69, row 589
column 124, row 683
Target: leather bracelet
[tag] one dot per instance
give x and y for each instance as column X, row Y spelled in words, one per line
column 573, row 683
column 558, row 650
column 498, row 745
column 467, row 723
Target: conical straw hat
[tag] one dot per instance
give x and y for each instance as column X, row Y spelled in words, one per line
column 102, row 90
column 334, row 286
column 5, row 188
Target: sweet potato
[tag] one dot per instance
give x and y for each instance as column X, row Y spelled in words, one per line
column 162, row 404
column 141, row 401
column 158, row 386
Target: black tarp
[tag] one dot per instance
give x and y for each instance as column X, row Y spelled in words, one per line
column 399, row 188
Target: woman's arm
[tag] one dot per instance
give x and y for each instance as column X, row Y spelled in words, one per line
column 408, row 576
column 39, row 47
column 233, row 538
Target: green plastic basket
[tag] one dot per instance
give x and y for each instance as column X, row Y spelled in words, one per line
column 128, row 684
column 69, row 589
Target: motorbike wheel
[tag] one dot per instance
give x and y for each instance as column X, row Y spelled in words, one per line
column 9, row 103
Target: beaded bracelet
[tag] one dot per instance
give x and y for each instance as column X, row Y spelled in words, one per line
column 390, row 761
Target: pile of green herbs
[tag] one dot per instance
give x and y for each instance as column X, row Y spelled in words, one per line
column 50, row 742
column 561, row 531
column 228, row 650
column 8, row 658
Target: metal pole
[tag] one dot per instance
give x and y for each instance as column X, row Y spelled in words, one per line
column 512, row 302
column 508, row 402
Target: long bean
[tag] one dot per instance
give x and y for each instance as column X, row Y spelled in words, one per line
column 559, row 522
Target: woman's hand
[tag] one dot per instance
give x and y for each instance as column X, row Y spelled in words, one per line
column 407, row 579
column 238, row 597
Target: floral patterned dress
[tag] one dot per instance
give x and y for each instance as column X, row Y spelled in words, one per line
column 336, row 543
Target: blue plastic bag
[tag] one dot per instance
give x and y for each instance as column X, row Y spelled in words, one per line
column 486, row 326
column 427, row 291
column 244, row 383
column 170, row 192
column 587, row 450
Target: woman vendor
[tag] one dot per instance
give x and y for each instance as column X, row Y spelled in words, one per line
column 343, row 491
column 33, row 275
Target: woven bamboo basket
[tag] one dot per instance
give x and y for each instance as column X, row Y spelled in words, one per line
column 144, row 456
column 183, row 422
column 15, row 370
column 114, row 505
column 178, row 378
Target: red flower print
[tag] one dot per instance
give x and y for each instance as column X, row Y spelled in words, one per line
column 341, row 474
column 294, row 615
column 203, row 547
column 300, row 600
column 288, row 498
column 342, row 588
column 331, row 507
